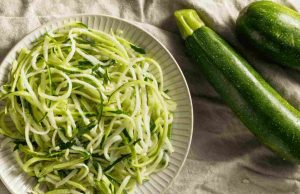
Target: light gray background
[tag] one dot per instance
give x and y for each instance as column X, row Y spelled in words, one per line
column 224, row 156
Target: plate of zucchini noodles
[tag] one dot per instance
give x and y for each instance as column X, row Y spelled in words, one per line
column 92, row 104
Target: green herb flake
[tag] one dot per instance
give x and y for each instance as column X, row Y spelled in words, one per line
column 85, row 129
column 170, row 131
column 43, row 117
column 127, row 135
column 137, row 141
column 18, row 143
column 66, row 145
column 138, row 49
column 84, row 65
column 123, row 157
column 152, row 125
column 118, row 112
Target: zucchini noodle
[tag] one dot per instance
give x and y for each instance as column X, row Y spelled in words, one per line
column 88, row 115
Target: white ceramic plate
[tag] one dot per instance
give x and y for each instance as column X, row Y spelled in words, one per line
column 19, row 183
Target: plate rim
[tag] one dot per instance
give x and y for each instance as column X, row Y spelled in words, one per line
column 15, row 48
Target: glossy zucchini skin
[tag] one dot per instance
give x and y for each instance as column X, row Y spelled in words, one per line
column 273, row 30
column 266, row 114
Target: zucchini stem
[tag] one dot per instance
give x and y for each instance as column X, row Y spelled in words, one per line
column 187, row 21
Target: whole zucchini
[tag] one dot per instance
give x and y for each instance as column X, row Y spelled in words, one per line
column 273, row 30
column 269, row 116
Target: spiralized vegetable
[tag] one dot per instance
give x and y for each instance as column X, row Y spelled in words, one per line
column 89, row 115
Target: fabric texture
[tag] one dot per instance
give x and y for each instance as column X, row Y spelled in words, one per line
column 224, row 156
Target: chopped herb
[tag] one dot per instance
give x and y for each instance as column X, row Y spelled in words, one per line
column 98, row 73
column 95, row 164
column 138, row 49
column 152, row 125
column 43, row 117
column 85, row 129
column 127, row 135
column 84, row 65
column 66, row 145
column 18, row 143
column 63, row 173
column 170, row 131
column 96, row 67
column 90, row 114
column 106, row 77
column 123, row 157
column 118, row 112
column 112, row 179
column 112, row 62
column 148, row 78
column 136, row 141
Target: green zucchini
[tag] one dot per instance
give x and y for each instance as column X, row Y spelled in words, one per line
column 271, row 29
column 267, row 115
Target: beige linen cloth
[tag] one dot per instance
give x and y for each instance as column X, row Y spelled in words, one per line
column 224, row 157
